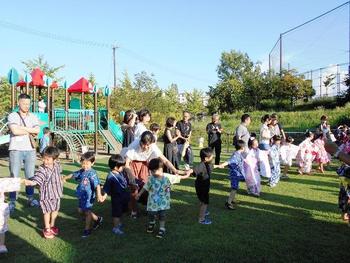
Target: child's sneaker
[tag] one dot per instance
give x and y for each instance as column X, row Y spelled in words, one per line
column 33, row 202
column 3, row 249
column 98, row 222
column 86, row 233
column 161, row 233
column 117, row 231
column 133, row 215
column 205, row 221
column 230, row 206
column 47, row 233
column 54, row 230
column 150, row 227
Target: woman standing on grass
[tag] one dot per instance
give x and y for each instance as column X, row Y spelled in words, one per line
column 264, row 146
column 128, row 127
column 137, row 157
column 170, row 145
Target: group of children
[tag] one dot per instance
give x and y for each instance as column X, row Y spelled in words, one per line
column 245, row 164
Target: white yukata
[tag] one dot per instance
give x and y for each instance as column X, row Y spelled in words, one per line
column 6, row 185
column 288, row 153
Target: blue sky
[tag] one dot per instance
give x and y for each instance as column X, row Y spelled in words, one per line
column 179, row 41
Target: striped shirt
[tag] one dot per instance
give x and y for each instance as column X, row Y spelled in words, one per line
column 49, row 181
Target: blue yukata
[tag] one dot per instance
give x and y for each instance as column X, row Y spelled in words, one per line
column 275, row 165
column 236, row 169
column 86, row 189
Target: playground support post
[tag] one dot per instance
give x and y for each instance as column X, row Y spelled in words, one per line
column 49, row 106
column 95, row 122
column 33, row 100
column 13, row 98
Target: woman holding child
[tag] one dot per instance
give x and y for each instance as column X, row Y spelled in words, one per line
column 137, row 156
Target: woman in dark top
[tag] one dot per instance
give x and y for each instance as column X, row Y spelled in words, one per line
column 170, row 145
column 128, row 127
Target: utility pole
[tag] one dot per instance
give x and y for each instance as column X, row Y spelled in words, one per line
column 114, row 67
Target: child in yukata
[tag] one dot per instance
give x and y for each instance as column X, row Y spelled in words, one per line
column 236, row 172
column 6, row 185
column 252, row 175
column 275, row 161
column 289, row 152
column 306, row 154
column 87, row 191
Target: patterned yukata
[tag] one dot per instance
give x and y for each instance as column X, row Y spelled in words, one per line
column 275, row 165
column 305, row 155
column 321, row 154
column 6, row 185
column 86, row 189
column 236, row 169
column 51, row 187
column 344, row 189
column 252, row 176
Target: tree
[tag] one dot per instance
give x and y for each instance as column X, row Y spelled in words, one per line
column 40, row 62
column 5, row 94
column 328, row 82
column 240, row 84
column 194, row 102
column 293, row 87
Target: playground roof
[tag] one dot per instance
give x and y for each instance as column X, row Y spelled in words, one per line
column 37, row 77
column 21, row 83
column 81, row 86
column 54, row 85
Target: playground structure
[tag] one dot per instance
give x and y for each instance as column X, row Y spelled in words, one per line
column 70, row 123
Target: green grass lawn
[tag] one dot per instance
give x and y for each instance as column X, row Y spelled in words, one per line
column 298, row 221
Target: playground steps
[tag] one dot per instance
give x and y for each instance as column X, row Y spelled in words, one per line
column 75, row 142
column 4, row 136
column 111, row 140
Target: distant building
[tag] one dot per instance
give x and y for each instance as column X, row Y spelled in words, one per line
column 182, row 98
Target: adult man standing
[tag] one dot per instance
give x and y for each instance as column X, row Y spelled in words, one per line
column 184, row 129
column 242, row 132
column 214, row 131
column 23, row 126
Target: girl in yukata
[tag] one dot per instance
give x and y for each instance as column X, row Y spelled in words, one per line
column 322, row 157
column 6, row 185
column 305, row 155
column 275, row 161
column 252, row 176
column 288, row 152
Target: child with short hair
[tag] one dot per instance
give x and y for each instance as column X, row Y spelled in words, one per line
column 45, row 140
column 48, row 178
column 116, row 186
column 275, row 161
column 6, row 185
column 236, row 172
column 202, row 184
column 158, row 188
column 87, row 190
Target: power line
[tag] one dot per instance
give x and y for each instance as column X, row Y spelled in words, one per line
column 31, row 31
